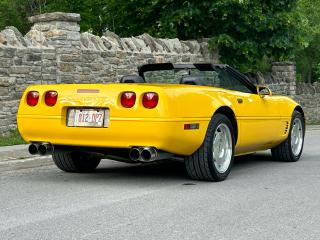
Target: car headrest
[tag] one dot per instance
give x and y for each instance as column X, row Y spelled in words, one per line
column 191, row 80
column 132, row 79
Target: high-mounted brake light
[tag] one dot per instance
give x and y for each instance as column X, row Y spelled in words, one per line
column 150, row 100
column 128, row 99
column 51, row 98
column 32, row 98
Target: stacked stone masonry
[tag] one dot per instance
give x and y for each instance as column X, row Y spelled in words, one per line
column 55, row 51
column 282, row 80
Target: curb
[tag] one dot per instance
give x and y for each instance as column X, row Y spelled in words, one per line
column 10, row 153
column 313, row 128
column 14, row 148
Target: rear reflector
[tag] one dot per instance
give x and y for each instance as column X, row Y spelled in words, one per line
column 150, row 100
column 191, row 126
column 32, row 98
column 128, row 99
column 51, row 98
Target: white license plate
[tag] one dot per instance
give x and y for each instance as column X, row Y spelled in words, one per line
column 88, row 118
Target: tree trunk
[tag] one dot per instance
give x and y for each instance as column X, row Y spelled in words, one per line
column 309, row 76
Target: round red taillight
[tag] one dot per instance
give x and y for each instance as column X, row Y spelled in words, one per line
column 150, row 100
column 128, row 99
column 51, row 98
column 32, row 98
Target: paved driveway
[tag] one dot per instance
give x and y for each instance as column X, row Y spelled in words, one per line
column 261, row 199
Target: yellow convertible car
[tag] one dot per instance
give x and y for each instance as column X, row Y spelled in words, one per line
column 204, row 114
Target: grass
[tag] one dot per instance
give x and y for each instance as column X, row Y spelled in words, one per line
column 13, row 138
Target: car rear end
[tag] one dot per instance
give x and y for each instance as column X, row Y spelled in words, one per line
column 112, row 116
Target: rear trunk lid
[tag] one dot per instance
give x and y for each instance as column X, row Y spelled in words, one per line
column 174, row 100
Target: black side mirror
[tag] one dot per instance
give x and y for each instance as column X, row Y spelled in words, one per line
column 132, row 79
column 263, row 91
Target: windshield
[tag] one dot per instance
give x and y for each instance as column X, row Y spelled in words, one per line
column 170, row 76
column 217, row 77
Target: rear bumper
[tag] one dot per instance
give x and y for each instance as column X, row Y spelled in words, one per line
column 164, row 134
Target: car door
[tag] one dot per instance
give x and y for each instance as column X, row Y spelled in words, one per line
column 259, row 118
column 259, row 121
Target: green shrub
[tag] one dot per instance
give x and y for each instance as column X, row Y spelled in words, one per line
column 13, row 138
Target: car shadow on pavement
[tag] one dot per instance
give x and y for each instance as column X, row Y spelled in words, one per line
column 158, row 172
column 163, row 169
column 176, row 170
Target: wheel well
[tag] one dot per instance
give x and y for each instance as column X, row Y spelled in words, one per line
column 300, row 110
column 230, row 114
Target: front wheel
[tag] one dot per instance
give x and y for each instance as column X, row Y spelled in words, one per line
column 291, row 149
column 214, row 159
column 75, row 162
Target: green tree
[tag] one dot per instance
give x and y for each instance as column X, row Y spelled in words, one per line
column 247, row 33
column 308, row 59
column 14, row 13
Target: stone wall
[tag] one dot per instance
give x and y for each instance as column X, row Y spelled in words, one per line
column 308, row 95
column 282, row 80
column 311, row 106
column 54, row 51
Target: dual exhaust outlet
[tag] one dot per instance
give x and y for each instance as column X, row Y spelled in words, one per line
column 40, row 148
column 147, row 154
column 136, row 154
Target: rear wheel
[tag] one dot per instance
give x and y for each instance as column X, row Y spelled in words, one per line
column 291, row 149
column 214, row 159
column 75, row 161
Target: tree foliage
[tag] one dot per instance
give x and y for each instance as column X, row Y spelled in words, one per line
column 249, row 34
column 308, row 59
column 14, row 13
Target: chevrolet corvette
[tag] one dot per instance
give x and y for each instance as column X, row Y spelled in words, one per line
column 203, row 114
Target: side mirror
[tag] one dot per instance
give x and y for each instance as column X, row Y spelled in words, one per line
column 263, row 91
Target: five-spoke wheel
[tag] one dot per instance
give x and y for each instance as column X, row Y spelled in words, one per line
column 213, row 160
column 291, row 149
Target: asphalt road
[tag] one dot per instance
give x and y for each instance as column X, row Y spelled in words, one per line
column 261, row 199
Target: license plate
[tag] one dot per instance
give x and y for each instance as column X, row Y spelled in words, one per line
column 88, row 118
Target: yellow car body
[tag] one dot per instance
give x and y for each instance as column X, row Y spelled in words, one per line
column 202, row 113
column 262, row 122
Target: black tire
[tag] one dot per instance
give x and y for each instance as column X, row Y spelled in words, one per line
column 200, row 165
column 283, row 152
column 75, row 162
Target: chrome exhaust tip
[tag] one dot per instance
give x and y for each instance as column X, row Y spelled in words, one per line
column 135, row 154
column 34, row 148
column 148, row 154
column 45, row 149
